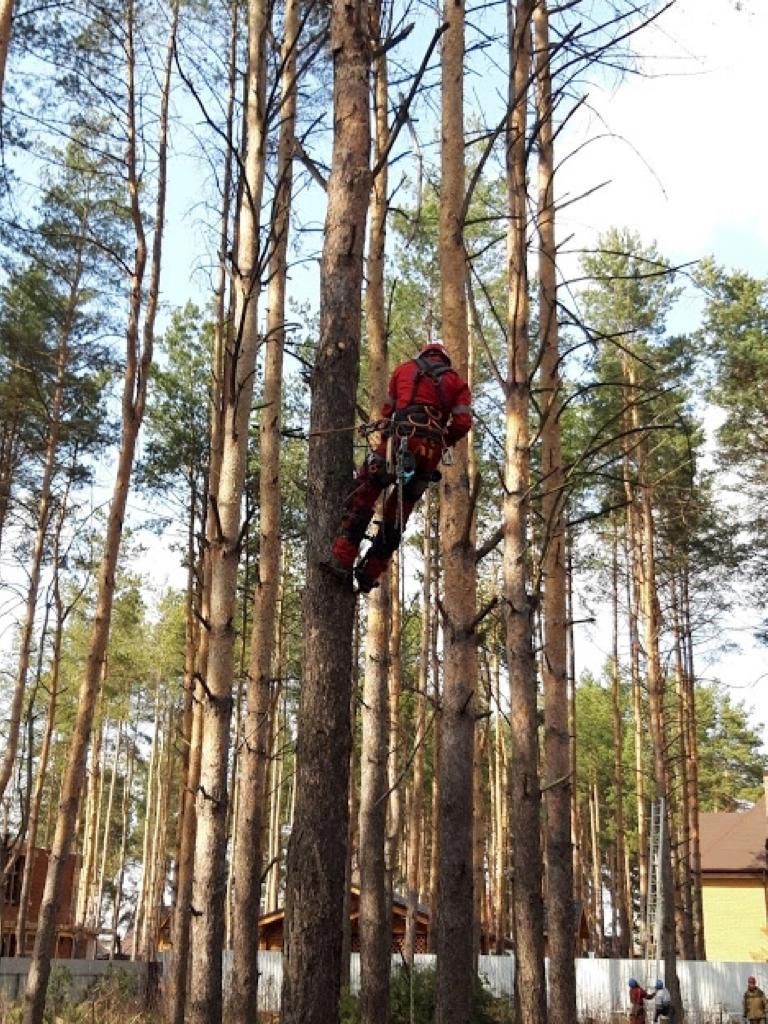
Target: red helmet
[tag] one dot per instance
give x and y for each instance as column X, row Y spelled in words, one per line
column 438, row 349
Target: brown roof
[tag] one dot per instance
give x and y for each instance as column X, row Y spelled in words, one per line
column 735, row 842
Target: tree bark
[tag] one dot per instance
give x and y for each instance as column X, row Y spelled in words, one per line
column 394, row 850
column 525, row 794
column 149, row 813
column 209, row 886
column 561, row 923
column 623, row 942
column 125, row 814
column 631, row 559
column 693, row 774
column 658, row 732
column 96, row 906
column 138, row 361
column 685, row 880
column 255, row 749
column 434, row 850
column 455, row 961
column 316, row 852
column 375, row 913
column 6, row 22
column 416, row 803
column 598, row 903
column 182, row 918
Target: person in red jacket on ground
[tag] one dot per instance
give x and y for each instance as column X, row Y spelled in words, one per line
column 427, row 411
column 636, row 1004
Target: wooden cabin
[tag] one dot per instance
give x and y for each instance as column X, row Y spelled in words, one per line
column 271, row 926
column 71, row 943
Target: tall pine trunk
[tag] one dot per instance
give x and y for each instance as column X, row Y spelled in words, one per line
column 561, row 922
column 622, row 942
column 210, row 878
column 317, row 848
column 693, row 770
column 6, row 21
column 414, row 856
column 525, row 793
column 139, row 345
column 182, row 917
column 255, row 751
column 455, row 961
column 375, row 924
column 657, row 724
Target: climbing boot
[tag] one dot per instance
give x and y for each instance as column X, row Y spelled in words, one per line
column 364, row 583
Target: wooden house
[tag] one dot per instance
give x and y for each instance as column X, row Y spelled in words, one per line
column 271, row 926
column 71, row 943
column 734, row 881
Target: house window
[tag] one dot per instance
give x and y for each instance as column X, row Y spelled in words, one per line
column 13, row 880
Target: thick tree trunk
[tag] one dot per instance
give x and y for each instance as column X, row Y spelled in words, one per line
column 455, row 963
column 525, row 794
column 316, row 853
column 561, row 923
column 6, row 21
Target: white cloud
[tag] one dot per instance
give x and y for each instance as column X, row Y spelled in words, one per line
column 690, row 153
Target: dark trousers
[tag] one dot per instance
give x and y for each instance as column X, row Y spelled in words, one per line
column 370, row 481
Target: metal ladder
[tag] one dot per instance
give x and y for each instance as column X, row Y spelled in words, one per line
column 655, row 900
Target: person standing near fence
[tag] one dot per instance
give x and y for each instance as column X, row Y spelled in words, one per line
column 755, row 1004
column 663, row 1002
column 636, row 1005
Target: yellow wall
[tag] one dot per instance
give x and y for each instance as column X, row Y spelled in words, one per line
column 735, row 926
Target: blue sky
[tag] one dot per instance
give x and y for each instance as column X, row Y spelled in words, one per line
column 687, row 166
column 688, row 170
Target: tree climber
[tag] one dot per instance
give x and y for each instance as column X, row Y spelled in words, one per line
column 427, row 411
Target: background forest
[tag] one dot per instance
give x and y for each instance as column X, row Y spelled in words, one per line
column 221, row 226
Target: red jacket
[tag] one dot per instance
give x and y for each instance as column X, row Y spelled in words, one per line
column 444, row 390
column 636, row 996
